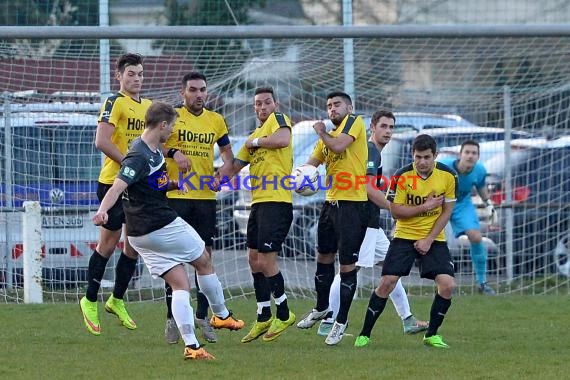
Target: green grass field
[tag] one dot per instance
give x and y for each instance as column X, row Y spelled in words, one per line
column 491, row 338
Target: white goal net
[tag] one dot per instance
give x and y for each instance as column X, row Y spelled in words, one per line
column 52, row 95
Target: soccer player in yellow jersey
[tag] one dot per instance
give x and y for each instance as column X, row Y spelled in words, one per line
column 122, row 119
column 376, row 243
column 191, row 163
column 269, row 153
column 344, row 217
column 421, row 195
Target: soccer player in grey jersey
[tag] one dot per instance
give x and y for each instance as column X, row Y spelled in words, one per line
column 163, row 239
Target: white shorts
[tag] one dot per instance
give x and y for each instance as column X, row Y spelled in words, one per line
column 163, row 249
column 373, row 248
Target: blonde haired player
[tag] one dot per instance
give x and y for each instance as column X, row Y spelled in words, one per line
column 163, row 239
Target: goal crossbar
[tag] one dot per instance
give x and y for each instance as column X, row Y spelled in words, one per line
column 285, row 32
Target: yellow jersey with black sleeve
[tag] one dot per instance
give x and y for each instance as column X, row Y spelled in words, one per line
column 407, row 187
column 195, row 136
column 346, row 171
column 269, row 167
column 128, row 117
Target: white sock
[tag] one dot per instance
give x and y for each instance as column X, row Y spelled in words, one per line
column 212, row 289
column 184, row 316
column 334, row 296
column 261, row 305
column 400, row 300
column 279, row 300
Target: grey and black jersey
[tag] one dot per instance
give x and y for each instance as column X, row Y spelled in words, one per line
column 374, row 168
column 144, row 201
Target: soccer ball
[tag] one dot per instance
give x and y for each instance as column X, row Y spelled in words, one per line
column 562, row 256
column 305, row 178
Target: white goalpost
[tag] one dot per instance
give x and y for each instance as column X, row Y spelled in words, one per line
column 32, row 238
column 52, row 98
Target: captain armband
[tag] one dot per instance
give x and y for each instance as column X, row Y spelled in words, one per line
column 172, row 152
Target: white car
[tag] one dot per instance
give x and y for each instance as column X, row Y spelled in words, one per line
column 53, row 160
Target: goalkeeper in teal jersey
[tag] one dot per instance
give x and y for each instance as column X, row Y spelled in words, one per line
column 464, row 219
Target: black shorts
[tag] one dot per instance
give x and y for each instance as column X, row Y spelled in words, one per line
column 402, row 254
column 200, row 214
column 342, row 226
column 268, row 225
column 115, row 213
column 373, row 215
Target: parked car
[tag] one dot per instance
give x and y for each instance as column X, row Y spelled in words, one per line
column 540, row 206
column 53, row 160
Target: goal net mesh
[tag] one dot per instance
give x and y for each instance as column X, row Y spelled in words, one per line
column 49, row 116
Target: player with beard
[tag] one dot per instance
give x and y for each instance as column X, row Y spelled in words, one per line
column 344, row 216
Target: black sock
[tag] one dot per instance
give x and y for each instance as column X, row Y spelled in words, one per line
column 97, row 264
column 123, row 274
column 324, row 277
column 439, row 308
column 347, row 289
column 168, row 297
column 202, row 302
column 262, row 294
column 375, row 307
column 277, row 286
